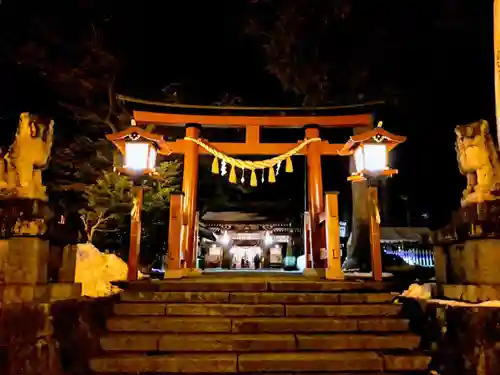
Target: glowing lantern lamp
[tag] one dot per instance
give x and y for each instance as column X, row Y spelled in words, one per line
column 139, row 149
column 268, row 239
column 371, row 153
column 225, row 239
column 139, row 156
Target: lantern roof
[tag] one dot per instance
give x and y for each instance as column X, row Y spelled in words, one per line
column 377, row 135
column 119, row 139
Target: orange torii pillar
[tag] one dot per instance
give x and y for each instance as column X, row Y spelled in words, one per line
column 315, row 196
column 190, row 190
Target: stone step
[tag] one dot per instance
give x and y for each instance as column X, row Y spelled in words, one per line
column 168, row 324
column 328, row 286
column 330, row 342
column 330, row 361
column 287, row 298
column 410, row 362
column 303, row 362
column 225, row 284
column 221, row 309
column 199, row 343
column 255, row 342
column 189, row 309
column 211, row 363
column 317, row 325
column 256, row 297
column 175, row 297
column 343, row 310
column 253, row 325
column 302, row 373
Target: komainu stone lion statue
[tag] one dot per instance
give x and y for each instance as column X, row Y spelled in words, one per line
column 21, row 167
column 478, row 160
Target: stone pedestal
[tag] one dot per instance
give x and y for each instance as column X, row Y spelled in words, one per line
column 23, row 272
column 470, row 262
column 467, row 254
column 24, row 255
column 23, row 260
column 68, row 266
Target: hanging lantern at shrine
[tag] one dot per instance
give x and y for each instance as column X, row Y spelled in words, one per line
column 139, row 149
column 371, row 153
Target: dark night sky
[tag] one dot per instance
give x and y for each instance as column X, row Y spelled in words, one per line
column 448, row 57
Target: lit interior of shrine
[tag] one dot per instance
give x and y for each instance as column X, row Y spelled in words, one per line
column 248, row 241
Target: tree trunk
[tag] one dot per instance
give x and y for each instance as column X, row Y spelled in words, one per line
column 358, row 245
column 90, row 234
column 91, row 231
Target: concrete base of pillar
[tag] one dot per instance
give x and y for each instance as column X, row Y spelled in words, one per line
column 334, row 274
column 174, row 274
column 315, row 273
column 324, row 273
column 182, row 272
column 193, row 272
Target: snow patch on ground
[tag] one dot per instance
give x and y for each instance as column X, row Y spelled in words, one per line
column 95, row 271
column 418, row 291
column 424, row 292
column 495, row 303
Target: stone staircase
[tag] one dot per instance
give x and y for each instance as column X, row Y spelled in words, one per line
column 219, row 325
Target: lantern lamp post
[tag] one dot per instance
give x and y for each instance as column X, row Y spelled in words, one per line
column 139, row 149
column 371, row 158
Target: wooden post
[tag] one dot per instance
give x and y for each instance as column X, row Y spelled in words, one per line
column 190, row 189
column 307, row 240
column 135, row 233
column 332, row 224
column 174, row 233
column 376, row 254
column 315, row 195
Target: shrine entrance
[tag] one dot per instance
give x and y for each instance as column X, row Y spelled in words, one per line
column 183, row 226
column 232, row 240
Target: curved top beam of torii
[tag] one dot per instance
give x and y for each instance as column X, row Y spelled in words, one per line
column 252, row 124
column 176, row 119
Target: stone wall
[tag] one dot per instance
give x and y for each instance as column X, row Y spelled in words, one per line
column 468, row 270
column 51, row 339
column 462, row 340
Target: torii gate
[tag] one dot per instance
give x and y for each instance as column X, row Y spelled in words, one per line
column 252, row 146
